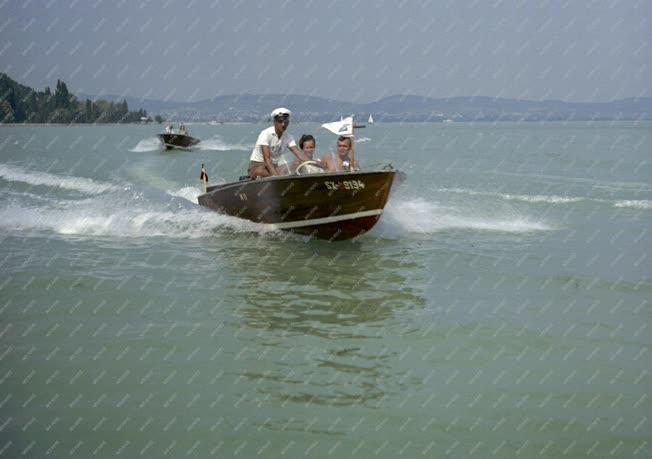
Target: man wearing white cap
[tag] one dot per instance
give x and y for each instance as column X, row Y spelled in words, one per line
column 271, row 144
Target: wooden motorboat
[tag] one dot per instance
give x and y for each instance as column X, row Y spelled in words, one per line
column 327, row 205
column 177, row 140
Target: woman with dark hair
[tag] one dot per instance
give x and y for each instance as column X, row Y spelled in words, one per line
column 307, row 144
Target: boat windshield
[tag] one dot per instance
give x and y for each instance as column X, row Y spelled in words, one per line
column 289, row 165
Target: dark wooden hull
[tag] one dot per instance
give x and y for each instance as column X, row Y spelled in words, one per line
column 333, row 206
column 182, row 141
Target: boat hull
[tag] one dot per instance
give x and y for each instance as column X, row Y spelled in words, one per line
column 181, row 141
column 333, row 206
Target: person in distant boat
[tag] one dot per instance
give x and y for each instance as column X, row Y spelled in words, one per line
column 203, row 177
column 340, row 161
column 182, row 129
column 168, row 129
column 270, row 146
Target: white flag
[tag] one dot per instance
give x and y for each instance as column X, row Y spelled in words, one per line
column 343, row 127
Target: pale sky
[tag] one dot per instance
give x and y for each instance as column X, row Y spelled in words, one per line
column 360, row 51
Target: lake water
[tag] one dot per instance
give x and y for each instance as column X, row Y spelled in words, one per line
column 501, row 307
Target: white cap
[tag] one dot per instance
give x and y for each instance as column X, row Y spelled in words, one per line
column 280, row 112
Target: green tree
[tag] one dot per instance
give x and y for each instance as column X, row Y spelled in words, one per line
column 6, row 112
column 88, row 111
column 61, row 96
column 31, row 108
column 20, row 103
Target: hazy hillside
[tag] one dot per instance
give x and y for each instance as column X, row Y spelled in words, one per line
column 252, row 107
column 256, row 107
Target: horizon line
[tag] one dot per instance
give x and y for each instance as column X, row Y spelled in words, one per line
column 279, row 95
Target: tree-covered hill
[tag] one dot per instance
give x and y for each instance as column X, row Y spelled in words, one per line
column 21, row 104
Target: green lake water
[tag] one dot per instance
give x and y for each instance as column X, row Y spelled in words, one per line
column 501, row 307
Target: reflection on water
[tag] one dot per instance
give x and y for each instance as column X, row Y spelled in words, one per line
column 323, row 290
column 340, row 302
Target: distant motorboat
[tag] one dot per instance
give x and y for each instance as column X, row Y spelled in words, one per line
column 177, row 140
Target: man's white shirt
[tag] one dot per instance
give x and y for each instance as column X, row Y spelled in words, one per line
column 276, row 145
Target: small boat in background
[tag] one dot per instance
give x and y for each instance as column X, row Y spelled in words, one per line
column 370, row 120
column 177, row 140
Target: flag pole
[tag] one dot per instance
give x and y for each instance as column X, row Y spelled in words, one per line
column 352, row 141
